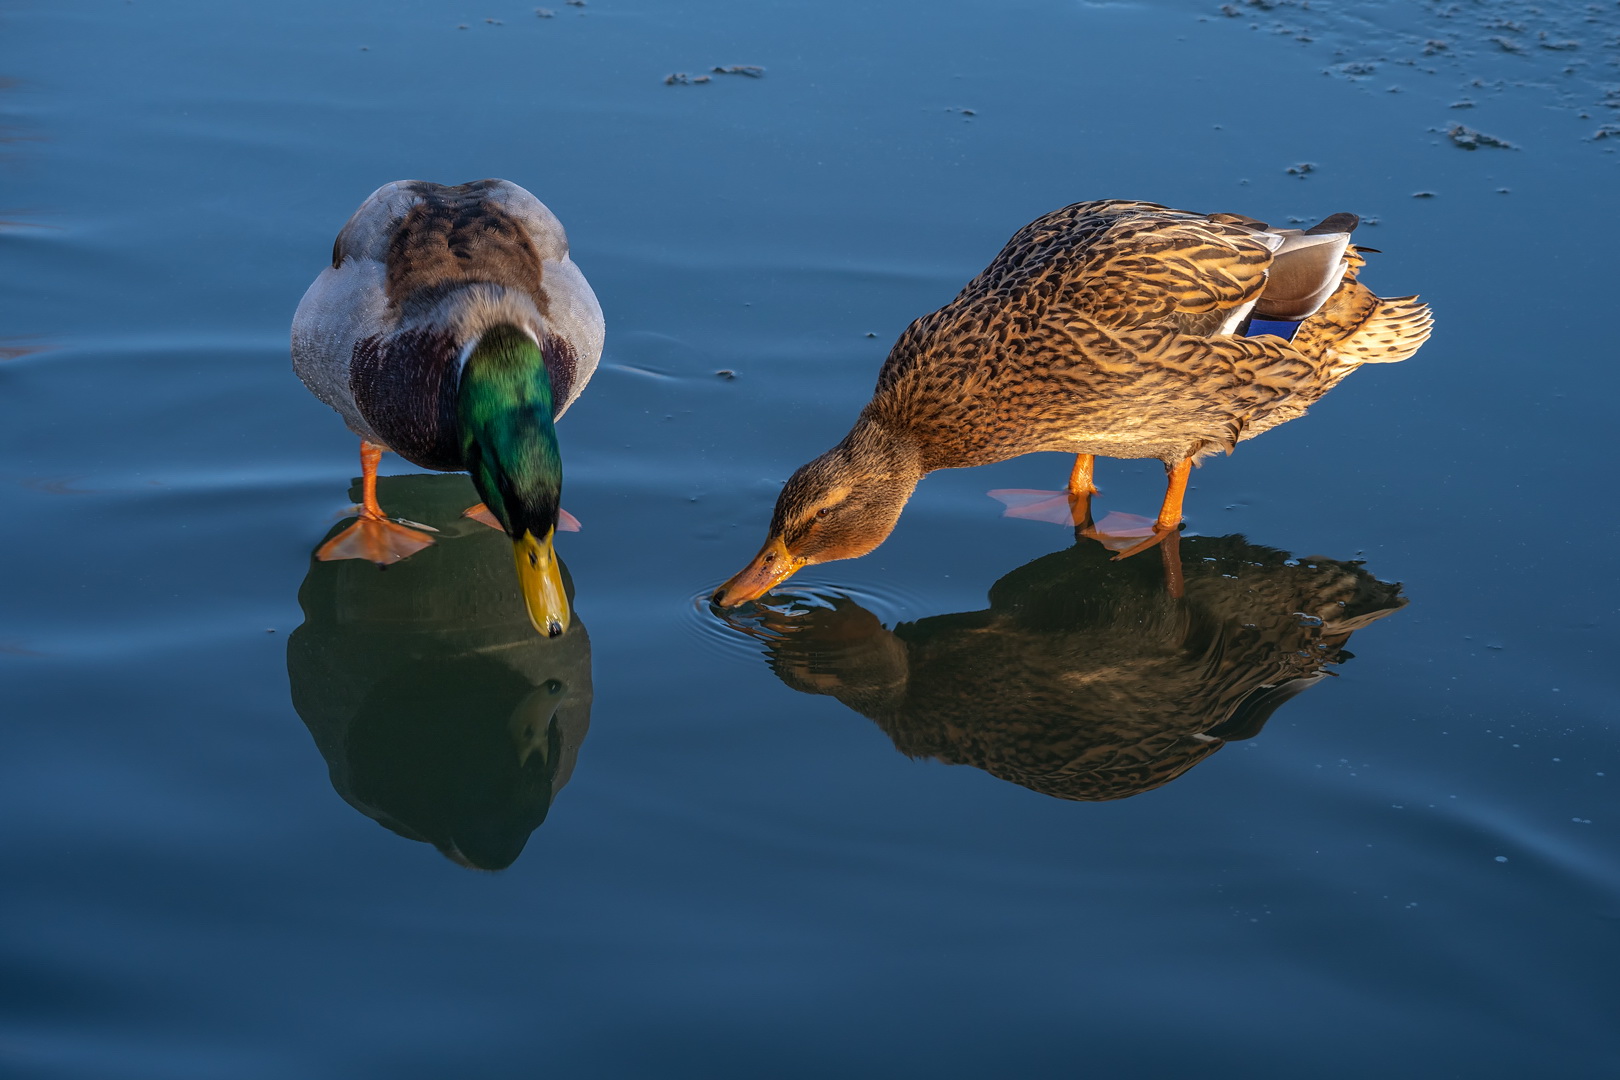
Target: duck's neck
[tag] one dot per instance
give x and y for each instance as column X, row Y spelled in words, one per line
column 508, row 440
column 886, row 450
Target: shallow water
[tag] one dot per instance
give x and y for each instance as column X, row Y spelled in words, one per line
column 1410, row 868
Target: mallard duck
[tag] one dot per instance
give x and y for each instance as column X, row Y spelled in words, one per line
column 1086, row 680
column 1116, row 329
column 440, row 713
column 453, row 329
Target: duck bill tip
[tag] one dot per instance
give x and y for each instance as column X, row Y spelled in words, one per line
column 772, row 566
column 540, row 580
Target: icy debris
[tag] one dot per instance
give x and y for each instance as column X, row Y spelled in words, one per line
column 1469, row 139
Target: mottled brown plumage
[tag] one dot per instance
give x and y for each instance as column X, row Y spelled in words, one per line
column 1085, row 679
column 1092, row 333
column 1104, row 328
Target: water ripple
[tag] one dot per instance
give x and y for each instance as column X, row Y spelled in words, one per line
column 740, row 631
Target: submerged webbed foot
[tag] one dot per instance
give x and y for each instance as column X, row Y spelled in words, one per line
column 1137, row 539
column 1057, row 507
column 566, row 522
column 1169, row 521
column 1129, row 534
column 481, row 514
column 1116, row 531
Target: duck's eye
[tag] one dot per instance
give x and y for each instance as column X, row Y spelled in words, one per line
column 825, row 511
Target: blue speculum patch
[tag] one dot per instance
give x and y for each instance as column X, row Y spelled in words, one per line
column 1284, row 330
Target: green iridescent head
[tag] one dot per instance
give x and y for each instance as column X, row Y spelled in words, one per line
column 509, row 445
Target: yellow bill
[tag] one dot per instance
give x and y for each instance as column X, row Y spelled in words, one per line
column 540, row 579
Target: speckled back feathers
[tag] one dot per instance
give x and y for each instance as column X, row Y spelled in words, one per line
column 1097, row 330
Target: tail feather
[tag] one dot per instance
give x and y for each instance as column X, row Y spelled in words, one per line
column 1355, row 327
column 1395, row 330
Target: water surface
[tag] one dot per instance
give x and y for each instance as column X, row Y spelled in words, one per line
column 1409, row 868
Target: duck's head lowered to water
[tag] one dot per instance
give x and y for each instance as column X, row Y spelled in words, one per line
column 510, row 445
column 839, row 506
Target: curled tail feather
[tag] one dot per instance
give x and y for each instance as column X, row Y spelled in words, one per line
column 1397, row 328
column 1355, row 327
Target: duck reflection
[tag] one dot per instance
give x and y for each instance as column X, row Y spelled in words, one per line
column 1087, row 678
column 441, row 714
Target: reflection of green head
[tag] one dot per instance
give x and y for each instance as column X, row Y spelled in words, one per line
column 509, row 445
column 462, row 752
column 440, row 714
column 508, row 441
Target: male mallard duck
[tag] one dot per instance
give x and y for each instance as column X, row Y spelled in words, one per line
column 1122, row 329
column 453, row 329
column 1086, row 680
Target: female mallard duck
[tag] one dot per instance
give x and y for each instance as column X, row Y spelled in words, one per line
column 1122, row 329
column 453, row 329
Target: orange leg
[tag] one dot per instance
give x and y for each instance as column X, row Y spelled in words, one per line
column 1082, row 486
column 372, row 536
column 1169, row 519
column 1175, row 491
column 1081, row 480
column 370, row 457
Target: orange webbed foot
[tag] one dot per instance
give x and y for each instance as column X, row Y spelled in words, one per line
column 1168, row 523
column 376, row 539
column 1118, row 531
column 566, row 522
column 481, row 514
column 1121, row 532
column 1056, row 507
column 1125, row 540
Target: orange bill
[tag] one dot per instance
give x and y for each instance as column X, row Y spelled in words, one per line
column 772, row 566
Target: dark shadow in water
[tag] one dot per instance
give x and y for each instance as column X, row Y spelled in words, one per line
column 440, row 711
column 1085, row 678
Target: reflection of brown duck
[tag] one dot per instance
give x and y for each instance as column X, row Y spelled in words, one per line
column 1085, row 679
column 440, row 713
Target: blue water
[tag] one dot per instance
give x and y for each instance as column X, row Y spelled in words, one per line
column 1409, row 872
